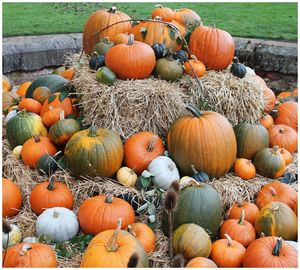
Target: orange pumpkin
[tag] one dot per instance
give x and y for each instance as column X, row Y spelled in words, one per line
column 283, row 95
column 6, row 84
column 244, row 168
column 187, row 17
column 284, row 137
column 92, row 211
column 30, row 105
column 194, row 67
column 165, row 13
column 287, row 156
column 270, row 99
column 295, row 92
column 11, row 198
column 68, row 74
column 201, row 262
column 276, row 192
column 287, row 114
column 101, row 24
column 52, row 116
column 34, row 148
column 267, row 121
column 251, row 211
column 212, row 46
column 21, row 91
column 121, row 38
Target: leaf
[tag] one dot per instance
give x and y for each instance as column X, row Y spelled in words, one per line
column 179, row 40
column 51, row 98
column 146, row 174
column 172, row 33
column 143, row 31
column 151, row 209
column 62, row 97
column 146, row 182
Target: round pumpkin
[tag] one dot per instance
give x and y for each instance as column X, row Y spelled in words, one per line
column 277, row 219
column 168, row 69
column 30, row 105
column 137, row 61
column 140, row 149
column 269, row 162
column 189, row 142
column 276, row 192
column 165, row 13
column 92, row 211
column 270, row 252
column 6, row 84
column 250, row 209
column 283, row 95
column 287, row 156
column 21, row 91
column 41, row 94
column 267, row 121
column 212, row 46
column 9, row 99
column 52, row 116
column 121, row 38
column 94, row 152
column 201, row 262
column 106, row 76
column 244, row 168
column 269, row 98
column 194, row 67
column 237, row 69
column 48, row 164
column 287, row 114
column 102, row 46
column 11, row 198
column 101, row 23
column 126, row 176
column 187, row 17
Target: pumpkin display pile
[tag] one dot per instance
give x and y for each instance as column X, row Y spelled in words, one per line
column 155, row 148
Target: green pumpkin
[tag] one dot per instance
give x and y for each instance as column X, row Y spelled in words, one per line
column 48, row 164
column 20, row 128
column 102, row 47
column 63, row 130
column 250, row 139
column 168, row 69
column 94, row 152
column 197, row 203
column 105, row 75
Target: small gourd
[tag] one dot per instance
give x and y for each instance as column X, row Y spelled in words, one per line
column 126, row 176
column 17, row 151
column 11, row 238
column 181, row 55
column 105, row 75
column 96, row 62
column 199, row 176
column 102, row 47
column 159, row 49
column 238, row 69
column 168, row 69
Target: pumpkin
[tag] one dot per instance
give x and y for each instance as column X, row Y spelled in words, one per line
column 92, row 211
column 277, row 219
column 237, row 69
column 269, row 162
column 35, row 148
column 160, row 50
column 30, row 105
column 189, row 142
column 239, row 230
column 287, row 156
column 164, row 172
column 270, row 252
column 106, row 76
column 276, row 192
column 117, row 245
column 11, row 238
column 33, row 255
column 194, row 67
column 9, row 116
column 244, row 168
column 9, row 99
column 102, row 46
column 21, row 91
column 121, row 38
column 21, row 127
column 168, row 69
column 204, row 208
column 227, row 252
column 140, row 149
column 17, row 151
column 295, row 92
column 270, row 99
column 182, row 56
column 287, row 114
column 144, row 234
column 126, row 176
column 267, row 121
column 68, row 74
column 50, row 194
column 187, row 17
column 52, row 116
column 250, row 139
column 212, row 46
column 181, row 28
column 58, row 223
column 199, row 176
column 191, row 241
column 6, row 84
column 11, row 198
column 165, row 13
column 283, row 95
column 201, row 262
column 94, row 152
column 284, row 137
column 294, row 244
column 250, row 209
column 41, row 93
column 156, row 32
column 48, row 164
column 104, row 23
column 96, row 62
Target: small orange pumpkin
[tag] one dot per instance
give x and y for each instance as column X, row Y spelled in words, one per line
column 30, row 105
column 287, row 114
column 165, row 13
column 244, row 168
column 283, row 95
column 194, row 67
column 52, row 116
column 201, row 262
column 295, row 92
column 267, row 121
column 68, row 74
column 121, row 38
column 21, row 91
column 270, row 99
column 251, row 211
column 6, row 84
column 287, row 156
column 41, row 94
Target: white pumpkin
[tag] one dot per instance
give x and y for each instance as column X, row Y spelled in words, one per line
column 59, row 223
column 164, row 172
column 9, row 116
column 14, row 236
column 293, row 244
column 126, row 176
column 250, row 71
column 17, row 151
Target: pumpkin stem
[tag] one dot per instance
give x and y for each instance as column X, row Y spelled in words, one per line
column 228, row 239
column 235, row 60
column 277, row 248
column 92, row 131
column 157, row 18
column 194, row 110
column 111, row 245
column 241, row 221
column 36, row 138
column 109, row 198
column 24, row 249
column 55, row 214
column 281, row 130
column 275, row 149
column 159, row 6
column 57, row 153
column 129, row 229
column 51, row 183
column 239, row 202
column 62, row 115
column 130, row 39
column 274, row 206
column 152, row 143
column 194, row 170
column 262, row 234
column 191, row 182
column 273, row 191
column 51, row 108
column 113, row 9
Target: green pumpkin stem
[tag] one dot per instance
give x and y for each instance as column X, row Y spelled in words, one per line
column 130, row 39
column 36, row 138
column 277, row 248
column 92, row 131
column 55, row 214
column 229, row 240
column 241, row 221
column 24, row 249
column 51, row 183
column 113, row 9
column 111, row 245
column 194, row 110
column 109, row 198
column 194, row 170
column 152, row 143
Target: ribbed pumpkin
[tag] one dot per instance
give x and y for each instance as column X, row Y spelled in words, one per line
column 21, row 127
column 201, row 262
column 276, row 192
column 194, row 67
column 11, row 198
column 21, row 91
column 92, row 211
column 156, row 32
column 9, row 99
column 30, row 105
column 212, row 46
column 251, row 211
column 137, row 61
column 113, row 249
column 283, row 136
column 94, row 152
column 165, row 13
column 6, row 84
column 50, row 194
column 244, row 168
column 267, row 121
column 187, row 17
column 287, row 156
column 269, row 162
column 189, row 143
column 204, row 208
column 287, row 114
column 270, row 99
column 140, row 149
column 250, row 139
column 41, row 94
column 270, row 252
column 277, row 219
column 52, row 116
column 34, row 148
column 100, row 24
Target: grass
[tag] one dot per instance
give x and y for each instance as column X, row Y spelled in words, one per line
column 261, row 20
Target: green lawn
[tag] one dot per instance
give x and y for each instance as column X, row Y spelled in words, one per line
column 261, row 20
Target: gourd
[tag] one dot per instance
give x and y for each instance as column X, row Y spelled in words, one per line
column 199, row 176
column 17, row 151
column 238, row 69
column 159, row 49
column 9, row 99
column 96, row 61
column 41, row 94
column 194, row 67
column 126, row 176
column 102, row 46
column 267, row 121
column 187, row 18
column 12, row 238
column 106, row 76
column 168, row 69
column 48, row 164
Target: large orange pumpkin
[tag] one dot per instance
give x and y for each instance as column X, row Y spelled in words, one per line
column 201, row 262
column 251, row 211
column 190, row 142
column 287, row 114
column 103, row 19
column 11, row 198
column 270, row 99
column 212, row 46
